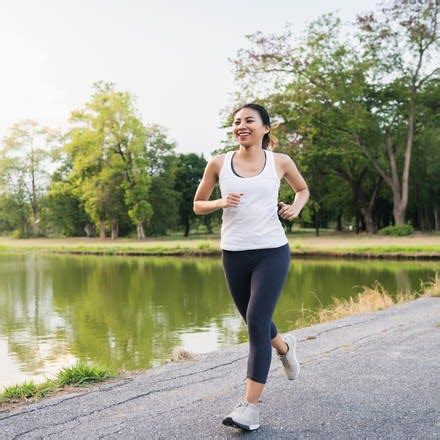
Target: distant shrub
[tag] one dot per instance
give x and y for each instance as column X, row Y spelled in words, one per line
column 399, row 230
column 18, row 233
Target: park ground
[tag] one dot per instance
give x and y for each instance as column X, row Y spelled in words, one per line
column 329, row 243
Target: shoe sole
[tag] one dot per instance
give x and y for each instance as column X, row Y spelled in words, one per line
column 292, row 339
column 229, row 421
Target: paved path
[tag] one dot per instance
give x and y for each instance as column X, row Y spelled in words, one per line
column 370, row 376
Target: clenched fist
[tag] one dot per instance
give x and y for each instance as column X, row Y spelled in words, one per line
column 286, row 211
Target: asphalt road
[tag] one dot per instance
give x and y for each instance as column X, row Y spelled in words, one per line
column 372, row 376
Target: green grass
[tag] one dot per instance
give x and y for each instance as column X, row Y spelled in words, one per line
column 208, row 248
column 394, row 248
column 79, row 374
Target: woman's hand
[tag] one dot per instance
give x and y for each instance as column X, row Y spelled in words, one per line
column 231, row 200
column 287, row 212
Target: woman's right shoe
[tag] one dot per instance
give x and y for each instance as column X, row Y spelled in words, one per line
column 290, row 363
column 245, row 415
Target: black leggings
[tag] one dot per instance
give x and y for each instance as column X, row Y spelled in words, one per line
column 255, row 279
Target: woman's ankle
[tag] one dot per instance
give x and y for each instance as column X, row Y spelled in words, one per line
column 287, row 349
column 251, row 401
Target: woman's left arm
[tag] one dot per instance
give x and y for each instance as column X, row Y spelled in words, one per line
column 298, row 184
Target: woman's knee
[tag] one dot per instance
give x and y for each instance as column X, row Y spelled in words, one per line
column 258, row 325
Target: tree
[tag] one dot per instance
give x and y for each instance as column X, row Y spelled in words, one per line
column 109, row 160
column 187, row 174
column 25, row 160
column 334, row 99
column 162, row 195
column 399, row 43
column 62, row 210
column 318, row 102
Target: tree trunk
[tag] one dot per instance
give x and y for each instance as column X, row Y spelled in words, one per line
column 357, row 222
column 399, row 216
column 101, row 229
column 367, row 213
column 436, row 218
column 426, row 220
column 363, row 226
column 140, row 231
column 34, row 203
column 26, row 228
column 400, row 191
column 361, row 199
column 316, row 223
column 406, row 165
column 35, row 220
column 339, row 221
column 115, row 228
column 88, row 230
column 207, row 222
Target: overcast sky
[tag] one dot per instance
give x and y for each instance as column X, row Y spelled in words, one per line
column 172, row 55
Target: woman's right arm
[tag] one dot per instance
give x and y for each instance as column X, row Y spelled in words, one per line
column 202, row 204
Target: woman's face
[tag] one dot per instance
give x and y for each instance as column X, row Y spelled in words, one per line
column 248, row 128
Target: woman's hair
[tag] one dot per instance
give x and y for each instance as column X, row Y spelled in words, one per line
column 269, row 140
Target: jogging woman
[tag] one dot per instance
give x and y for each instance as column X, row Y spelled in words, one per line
column 255, row 249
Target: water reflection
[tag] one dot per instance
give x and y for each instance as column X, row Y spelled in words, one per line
column 131, row 312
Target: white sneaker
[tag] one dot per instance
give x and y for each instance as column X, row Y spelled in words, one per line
column 246, row 415
column 290, row 362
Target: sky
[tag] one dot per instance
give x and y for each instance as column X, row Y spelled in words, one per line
column 171, row 55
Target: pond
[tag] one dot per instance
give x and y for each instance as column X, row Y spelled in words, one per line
column 132, row 312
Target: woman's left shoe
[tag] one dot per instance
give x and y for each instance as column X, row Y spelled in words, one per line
column 290, row 362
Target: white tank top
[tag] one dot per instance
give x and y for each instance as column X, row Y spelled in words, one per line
column 254, row 223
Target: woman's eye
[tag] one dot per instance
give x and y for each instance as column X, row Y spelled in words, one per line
column 249, row 121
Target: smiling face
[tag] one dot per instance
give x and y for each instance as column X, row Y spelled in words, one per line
column 248, row 128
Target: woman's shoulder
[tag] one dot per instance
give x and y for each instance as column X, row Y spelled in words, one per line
column 279, row 155
column 280, row 158
column 216, row 163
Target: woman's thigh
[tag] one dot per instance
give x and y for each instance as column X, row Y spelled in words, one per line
column 256, row 277
column 267, row 281
column 238, row 278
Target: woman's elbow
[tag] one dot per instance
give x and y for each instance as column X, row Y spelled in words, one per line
column 196, row 208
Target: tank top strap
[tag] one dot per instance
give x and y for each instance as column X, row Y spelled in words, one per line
column 226, row 167
column 272, row 169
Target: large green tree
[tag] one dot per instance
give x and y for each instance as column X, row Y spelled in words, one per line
column 334, row 100
column 402, row 44
column 107, row 148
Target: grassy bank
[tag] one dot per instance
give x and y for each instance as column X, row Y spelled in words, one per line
column 422, row 246
column 77, row 375
column 369, row 300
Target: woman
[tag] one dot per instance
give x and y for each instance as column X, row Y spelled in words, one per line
column 255, row 249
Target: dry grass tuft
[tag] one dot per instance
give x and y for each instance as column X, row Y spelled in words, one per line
column 369, row 300
column 181, row 354
column 431, row 288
